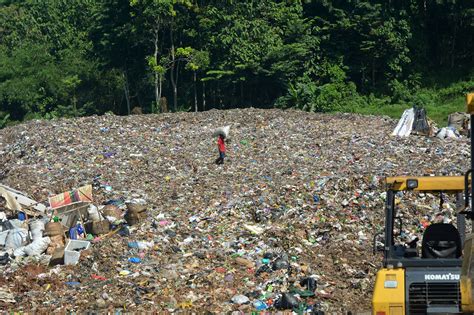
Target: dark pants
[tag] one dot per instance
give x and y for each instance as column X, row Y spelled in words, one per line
column 220, row 160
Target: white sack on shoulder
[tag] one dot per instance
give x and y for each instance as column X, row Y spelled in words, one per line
column 222, row 131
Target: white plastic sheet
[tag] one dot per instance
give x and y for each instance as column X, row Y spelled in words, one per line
column 405, row 124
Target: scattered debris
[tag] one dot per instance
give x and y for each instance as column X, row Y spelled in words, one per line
column 286, row 223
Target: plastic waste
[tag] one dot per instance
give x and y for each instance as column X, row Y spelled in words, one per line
column 19, row 252
column 4, row 259
column 141, row 245
column 36, row 229
column 37, row 247
column 16, row 238
column 260, row 305
column 134, row 260
column 280, row 264
column 172, row 170
column 286, row 302
column 310, row 283
column 93, row 213
column 254, row 229
column 240, row 299
column 72, row 283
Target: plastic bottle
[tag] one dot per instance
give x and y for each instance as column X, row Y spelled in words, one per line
column 73, row 233
column 134, row 260
column 133, row 244
column 260, row 305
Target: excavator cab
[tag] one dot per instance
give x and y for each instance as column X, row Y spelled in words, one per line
column 423, row 280
column 438, row 277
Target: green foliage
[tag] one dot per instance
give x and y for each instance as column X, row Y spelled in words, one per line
column 158, row 68
column 4, row 120
column 195, row 59
column 60, row 58
column 456, row 89
column 334, row 95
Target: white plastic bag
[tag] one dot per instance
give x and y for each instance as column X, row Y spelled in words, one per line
column 16, row 238
column 448, row 133
column 19, row 252
column 37, row 247
column 94, row 214
column 222, row 131
column 36, row 229
column 441, row 133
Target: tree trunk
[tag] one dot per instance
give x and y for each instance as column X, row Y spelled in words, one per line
column 160, row 85
column 203, row 96
column 157, row 76
column 453, row 38
column 157, row 93
column 176, row 77
column 195, row 93
column 127, row 91
column 173, row 79
column 74, row 101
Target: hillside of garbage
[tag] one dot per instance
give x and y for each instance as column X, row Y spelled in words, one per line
column 287, row 222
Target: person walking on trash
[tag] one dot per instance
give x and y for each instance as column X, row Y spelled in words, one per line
column 221, row 147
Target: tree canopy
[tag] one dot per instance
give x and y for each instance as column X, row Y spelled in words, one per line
column 70, row 58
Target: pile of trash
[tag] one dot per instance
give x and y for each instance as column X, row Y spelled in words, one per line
column 136, row 216
column 414, row 120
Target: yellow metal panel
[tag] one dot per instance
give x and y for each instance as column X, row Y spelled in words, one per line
column 428, row 183
column 396, row 310
column 470, row 103
column 467, row 274
column 389, row 300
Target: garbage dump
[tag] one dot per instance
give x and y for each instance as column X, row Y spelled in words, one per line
column 138, row 217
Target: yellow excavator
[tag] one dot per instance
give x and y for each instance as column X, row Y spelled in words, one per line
column 436, row 277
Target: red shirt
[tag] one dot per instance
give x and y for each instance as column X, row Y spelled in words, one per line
column 221, row 144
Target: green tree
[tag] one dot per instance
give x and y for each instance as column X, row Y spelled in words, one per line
column 196, row 60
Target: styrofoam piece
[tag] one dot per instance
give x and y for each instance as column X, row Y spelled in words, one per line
column 72, row 252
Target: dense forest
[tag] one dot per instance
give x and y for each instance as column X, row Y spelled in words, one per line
column 71, row 58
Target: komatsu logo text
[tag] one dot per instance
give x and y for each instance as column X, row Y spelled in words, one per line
column 445, row 276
